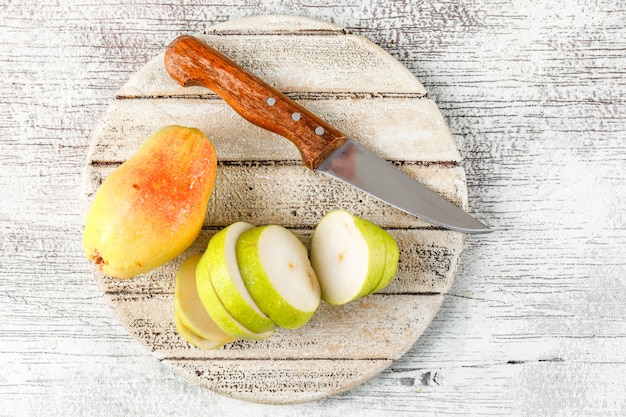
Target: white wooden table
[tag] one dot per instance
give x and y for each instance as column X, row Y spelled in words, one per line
column 535, row 321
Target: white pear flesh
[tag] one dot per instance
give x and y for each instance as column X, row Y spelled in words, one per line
column 275, row 268
column 194, row 339
column 349, row 255
column 224, row 273
column 214, row 307
column 192, row 320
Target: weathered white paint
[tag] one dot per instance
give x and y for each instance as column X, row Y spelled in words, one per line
column 400, row 123
column 533, row 93
column 430, row 259
column 337, row 62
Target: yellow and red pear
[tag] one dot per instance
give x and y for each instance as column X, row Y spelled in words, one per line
column 152, row 207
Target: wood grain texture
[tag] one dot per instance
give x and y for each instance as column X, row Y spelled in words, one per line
column 272, row 190
column 429, row 261
column 330, row 334
column 276, row 61
column 251, row 182
column 423, row 128
column 533, row 93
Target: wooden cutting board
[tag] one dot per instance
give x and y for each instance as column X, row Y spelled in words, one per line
column 368, row 95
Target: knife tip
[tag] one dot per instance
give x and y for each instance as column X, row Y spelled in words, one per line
column 479, row 229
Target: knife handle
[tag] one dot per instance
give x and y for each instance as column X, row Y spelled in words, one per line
column 190, row 61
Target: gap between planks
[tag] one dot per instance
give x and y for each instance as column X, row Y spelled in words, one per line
column 142, row 294
column 285, row 359
column 270, row 32
column 293, row 95
column 98, row 163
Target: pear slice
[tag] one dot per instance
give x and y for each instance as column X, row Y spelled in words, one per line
column 214, row 307
column 193, row 338
column 275, row 267
column 350, row 256
column 227, row 282
column 197, row 326
column 392, row 257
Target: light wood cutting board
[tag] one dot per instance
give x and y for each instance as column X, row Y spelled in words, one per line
column 368, row 95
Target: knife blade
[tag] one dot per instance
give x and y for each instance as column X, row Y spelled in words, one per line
column 192, row 62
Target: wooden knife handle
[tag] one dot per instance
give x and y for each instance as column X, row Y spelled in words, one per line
column 190, row 61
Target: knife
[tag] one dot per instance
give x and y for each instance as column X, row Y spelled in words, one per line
column 192, row 62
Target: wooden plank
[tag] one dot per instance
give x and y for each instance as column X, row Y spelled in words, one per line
column 293, row 62
column 399, row 124
column 543, row 388
column 275, row 24
column 428, row 263
column 248, row 192
column 352, row 331
column 281, row 381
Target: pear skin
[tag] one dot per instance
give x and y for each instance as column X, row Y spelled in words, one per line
column 152, row 207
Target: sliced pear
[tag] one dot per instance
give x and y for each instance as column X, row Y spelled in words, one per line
column 190, row 311
column 227, row 282
column 193, row 338
column 214, row 307
column 350, row 256
column 392, row 257
column 276, row 270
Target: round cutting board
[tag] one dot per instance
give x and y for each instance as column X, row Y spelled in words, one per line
column 367, row 94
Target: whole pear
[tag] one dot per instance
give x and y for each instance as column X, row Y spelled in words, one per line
column 152, row 207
